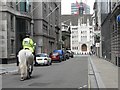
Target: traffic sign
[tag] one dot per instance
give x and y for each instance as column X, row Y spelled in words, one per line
column 97, row 44
column 118, row 18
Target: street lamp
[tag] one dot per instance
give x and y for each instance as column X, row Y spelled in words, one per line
column 65, row 33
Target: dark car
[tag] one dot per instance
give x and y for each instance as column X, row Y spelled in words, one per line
column 55, row 56
column 71, row 54
column 67, row 54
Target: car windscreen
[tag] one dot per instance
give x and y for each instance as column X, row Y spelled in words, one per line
column 58, row 51
column 55, row 54
column 41, row 55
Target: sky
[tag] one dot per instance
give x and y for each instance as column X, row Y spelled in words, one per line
column 66, row 5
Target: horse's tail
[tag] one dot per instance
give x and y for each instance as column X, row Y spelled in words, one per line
column 22, row 61
column 22, row 56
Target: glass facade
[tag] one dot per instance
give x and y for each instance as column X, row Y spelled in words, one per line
column 83, row 8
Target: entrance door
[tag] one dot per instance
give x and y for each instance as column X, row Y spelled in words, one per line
column 20, row 33
column 84, row 47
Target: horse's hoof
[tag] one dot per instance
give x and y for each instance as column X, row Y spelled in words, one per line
column 22, row 79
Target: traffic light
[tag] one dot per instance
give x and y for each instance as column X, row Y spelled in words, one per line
column 97, row 39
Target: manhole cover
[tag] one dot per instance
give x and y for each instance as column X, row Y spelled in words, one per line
column 39, row 84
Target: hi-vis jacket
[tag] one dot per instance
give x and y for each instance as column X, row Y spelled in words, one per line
column 28, row 43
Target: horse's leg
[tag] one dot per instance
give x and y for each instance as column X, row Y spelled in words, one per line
column 31, row 64
column 21, row 72
column 31, row 69
column 28, row 70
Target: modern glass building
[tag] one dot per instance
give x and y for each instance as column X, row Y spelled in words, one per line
column 80, row 8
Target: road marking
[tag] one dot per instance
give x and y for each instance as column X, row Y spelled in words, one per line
column 84, row 86
column 89, row 81
column 80, row 87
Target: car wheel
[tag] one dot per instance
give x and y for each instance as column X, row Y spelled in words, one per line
column 60, row 60
column 48, row 63
column 51, row 63
column 35, row 64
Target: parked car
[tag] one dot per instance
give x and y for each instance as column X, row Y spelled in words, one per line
column 43, row 59
column 71, row 54
column 61, row 53
column 66, row 54
column 55, row 56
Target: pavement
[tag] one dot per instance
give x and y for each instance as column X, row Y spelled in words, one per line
column 106, row 73
column 8, row 68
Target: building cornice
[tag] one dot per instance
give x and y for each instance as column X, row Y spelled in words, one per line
column 115, row 10
column 17, row 13
column 44, row 35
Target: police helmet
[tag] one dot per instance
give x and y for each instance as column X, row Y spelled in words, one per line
column 27, row 35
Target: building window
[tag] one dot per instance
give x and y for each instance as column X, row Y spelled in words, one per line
column 44, row 10
column 12, row 22
column 11, row 4
column 44, row 27
column 73, row 48
column 12, row 46
column 17, row 3
column 24, row 6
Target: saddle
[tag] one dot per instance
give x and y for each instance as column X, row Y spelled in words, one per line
column 27, row 48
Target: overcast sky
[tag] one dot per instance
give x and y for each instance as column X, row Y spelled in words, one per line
column 66, row 5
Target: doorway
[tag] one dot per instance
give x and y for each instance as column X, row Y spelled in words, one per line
column 84, row 47
column 20, row 33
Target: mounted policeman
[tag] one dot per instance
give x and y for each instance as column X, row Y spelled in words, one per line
column 28, row 43
column 26, row 57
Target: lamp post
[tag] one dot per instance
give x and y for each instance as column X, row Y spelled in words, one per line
column 96, row 44
column 63, row 41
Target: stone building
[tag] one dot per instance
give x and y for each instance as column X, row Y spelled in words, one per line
column 81, row 32
column 47, row 26
column 40, row 19
column 16, row 22
column 115, row 32
column 106, row 19
column 66, row 32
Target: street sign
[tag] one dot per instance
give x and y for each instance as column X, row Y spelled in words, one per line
column 118, row 18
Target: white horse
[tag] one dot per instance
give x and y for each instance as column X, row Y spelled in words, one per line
column 25, row 58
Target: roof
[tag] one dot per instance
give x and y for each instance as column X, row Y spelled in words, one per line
column 74, row 19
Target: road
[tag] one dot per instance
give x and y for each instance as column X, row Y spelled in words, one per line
column 72, row 73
